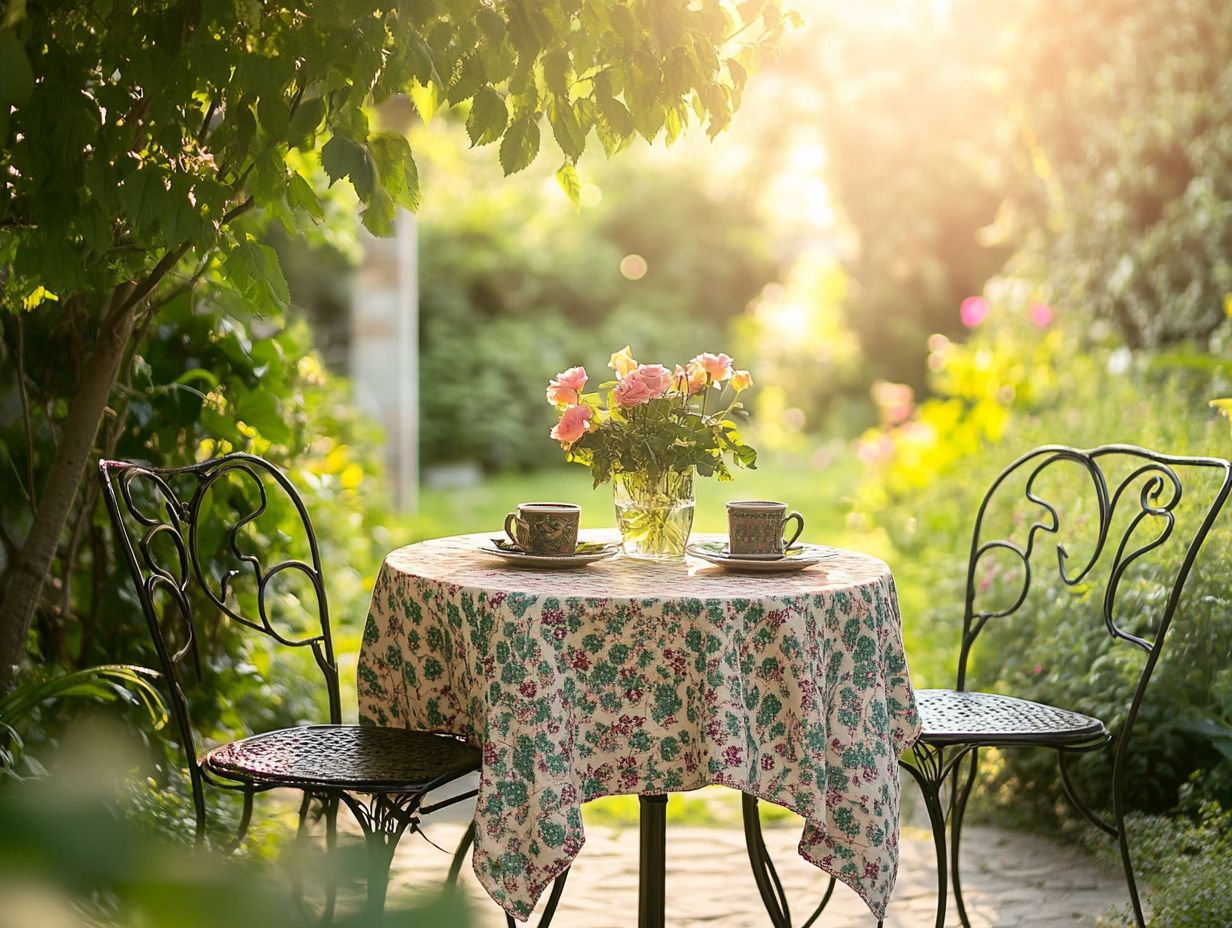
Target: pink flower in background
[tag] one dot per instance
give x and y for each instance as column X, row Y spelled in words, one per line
column 895, row 400
column 632, row 391
column 656, row 377
column 973, row 311
column 718, row 366
column 572, row 425
column 565, row 389
column 1041, row 315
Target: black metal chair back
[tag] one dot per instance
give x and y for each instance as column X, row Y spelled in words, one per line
column 1137, row 495
column 190, row 536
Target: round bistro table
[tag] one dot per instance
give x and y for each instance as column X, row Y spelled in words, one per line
column 637, row 677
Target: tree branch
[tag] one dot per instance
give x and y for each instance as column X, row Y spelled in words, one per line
column 176, row 292
column 237, row 211
column 25, row 413
column 205, row 123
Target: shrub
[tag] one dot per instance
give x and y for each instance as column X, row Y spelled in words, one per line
column 1010, row 389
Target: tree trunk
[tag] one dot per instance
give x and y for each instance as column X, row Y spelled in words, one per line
column 85, row 415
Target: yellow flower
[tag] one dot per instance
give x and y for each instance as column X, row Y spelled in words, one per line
column 741, row 380
column 622, row 362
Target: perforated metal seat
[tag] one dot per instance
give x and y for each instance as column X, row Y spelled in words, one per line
column 352, row 757
column 963, row 717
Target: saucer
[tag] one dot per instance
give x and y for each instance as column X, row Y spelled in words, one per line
column 797, row 557
column 586, row 553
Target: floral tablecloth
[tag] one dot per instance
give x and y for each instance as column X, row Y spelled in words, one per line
column 637, row 677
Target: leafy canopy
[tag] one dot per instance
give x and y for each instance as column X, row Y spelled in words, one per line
column 133, row 134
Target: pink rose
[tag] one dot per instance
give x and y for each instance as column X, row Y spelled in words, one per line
column 632, row 391
column 568, row 385
column 658, row 379
column 572, row 425
column 718, row 366
column 741, row 381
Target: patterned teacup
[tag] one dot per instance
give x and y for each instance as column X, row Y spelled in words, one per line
column 757, row 527
column 544, row 528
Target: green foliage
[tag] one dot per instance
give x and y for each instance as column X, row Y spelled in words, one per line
column 203, row 383
column 79, row 856
column 1013, row 388
column 1186, row 863
column 515, row 285
column 128, row 135
column 1131, row 164
column 109, row 683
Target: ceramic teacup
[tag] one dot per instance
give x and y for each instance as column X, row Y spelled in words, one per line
column 544, row 528
column 757, row 527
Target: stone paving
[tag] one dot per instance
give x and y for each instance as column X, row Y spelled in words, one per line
column 1009, row 879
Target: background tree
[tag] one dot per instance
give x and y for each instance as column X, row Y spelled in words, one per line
column 1131, row 215
column 137, row 142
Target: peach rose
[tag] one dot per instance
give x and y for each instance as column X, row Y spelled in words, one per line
column 691, row 378
column 741, row 380
column 632, row 391
column 658, row 379
column 622, row 362
column 568, row 385
column 573, row 425
column 718, row 366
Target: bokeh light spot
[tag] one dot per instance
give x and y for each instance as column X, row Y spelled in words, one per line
column 591, row 195
column 633, row 267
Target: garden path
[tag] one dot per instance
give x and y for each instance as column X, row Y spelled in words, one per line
column 1010, row 879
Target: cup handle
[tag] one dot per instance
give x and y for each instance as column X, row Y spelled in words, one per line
column 799, row 519
column 512, row 520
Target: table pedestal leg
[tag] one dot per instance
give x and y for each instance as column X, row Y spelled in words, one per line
column 651, row 896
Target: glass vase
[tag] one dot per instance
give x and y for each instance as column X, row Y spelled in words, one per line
column 654, row 515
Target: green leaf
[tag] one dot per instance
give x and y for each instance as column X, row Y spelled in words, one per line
column 274, row 113
column 16, row 77
column 261, row 409
column 427, row 99
column 557, row 69
column 492, row 24
column 380, row 216
column 565, row 127
column 567, row 177
column 252, row 269
column 140, row 195
column 341, row 157
column 304, row 121
column 396, row 168
column 520, row 145
column 301, row 196
column 488, row 117
column 421, row 60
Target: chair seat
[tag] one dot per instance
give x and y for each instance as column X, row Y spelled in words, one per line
column 360, row 758
column 962, row 717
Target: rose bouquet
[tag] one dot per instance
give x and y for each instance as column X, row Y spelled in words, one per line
column 649, row 431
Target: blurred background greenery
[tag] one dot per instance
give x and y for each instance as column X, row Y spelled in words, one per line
column 937, row 233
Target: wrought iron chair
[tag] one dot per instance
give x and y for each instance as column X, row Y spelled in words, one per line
column 1135, row 488
column 1143, row 496
column 189, row 571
